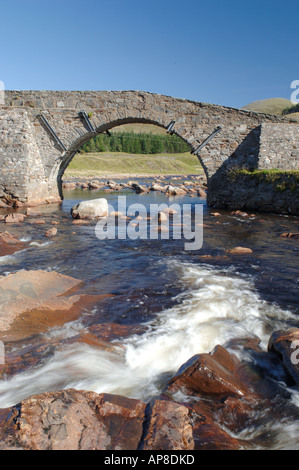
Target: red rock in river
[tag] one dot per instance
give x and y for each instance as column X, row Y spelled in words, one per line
column 80, row 420
column 286, row 345
column 210, row 374
column 73, row 420
column 208, row 433
column 33, row 301
column 10, row 244
column 169, row 427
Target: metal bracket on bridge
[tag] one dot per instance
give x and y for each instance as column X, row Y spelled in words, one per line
column 205, row 142
column 52, row 132
column 87, row 121
column 170, row 128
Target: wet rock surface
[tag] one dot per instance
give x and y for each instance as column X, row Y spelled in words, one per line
column 73, row 420
column 9, row 244
column 285, row 344
column 210, row 374
column 204, row 406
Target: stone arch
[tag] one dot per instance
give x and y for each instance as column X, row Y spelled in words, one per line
column 82, row 139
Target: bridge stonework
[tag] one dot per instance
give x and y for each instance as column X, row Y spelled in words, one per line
column 33, row 163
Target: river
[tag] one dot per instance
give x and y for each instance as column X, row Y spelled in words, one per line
column 169, row 303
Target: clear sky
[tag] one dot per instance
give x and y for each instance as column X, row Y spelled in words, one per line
column 224, row 52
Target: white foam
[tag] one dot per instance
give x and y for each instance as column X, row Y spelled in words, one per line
column 216, row 307
column 40, row 244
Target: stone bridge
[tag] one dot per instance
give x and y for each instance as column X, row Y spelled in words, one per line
column 33, row 159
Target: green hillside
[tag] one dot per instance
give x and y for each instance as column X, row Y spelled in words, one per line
column 269, row 106
column 117, row 163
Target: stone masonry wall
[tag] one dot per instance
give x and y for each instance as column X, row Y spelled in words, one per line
column 276, row 192
column 33, row 163
column 279, row 147
column 22, row 169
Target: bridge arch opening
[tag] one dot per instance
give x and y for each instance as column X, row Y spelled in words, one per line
column 134, row 138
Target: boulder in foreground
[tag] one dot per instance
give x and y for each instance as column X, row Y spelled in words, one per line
column 27, row 291
column 95, row 208
column 72, row 420
column 82, row 420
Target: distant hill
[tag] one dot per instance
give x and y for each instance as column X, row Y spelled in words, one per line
column 269, row 106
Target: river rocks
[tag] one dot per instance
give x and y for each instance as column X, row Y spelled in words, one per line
column 94, row 185
column 69, row 185
column 31, row 212
column 92, row 209
column 222, row 395
column 239, row 250
column 295, row 236
column 174, row 191
column 157, row 187
column 10, row 244
column 37, row 222
column 168, row 427
column 207, row 431
column 286, row 345
column 15, row 218
column 201, row 193
column 222, row 400
column 210, row 374
column 73, row 420
column 3, row 205
column 29, row 291
column 80, row 222
column 162, row 217
column 51, row 232
column 239, row 213
column 215, row 214
column 139, row 188
column 81, row 420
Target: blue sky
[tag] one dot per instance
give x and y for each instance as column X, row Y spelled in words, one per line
column 222, row 52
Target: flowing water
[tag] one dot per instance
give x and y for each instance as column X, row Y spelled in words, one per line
column 170, row 304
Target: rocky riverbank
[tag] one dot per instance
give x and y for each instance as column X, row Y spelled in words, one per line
column 171, row 186
column 210, row 399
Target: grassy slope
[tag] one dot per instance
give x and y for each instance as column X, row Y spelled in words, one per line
column 138, row 128
column 293, row 116
column 117, row 163
column 93, row 164
column 269, row 106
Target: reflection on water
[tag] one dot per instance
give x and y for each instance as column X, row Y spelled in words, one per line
column 186, row 302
